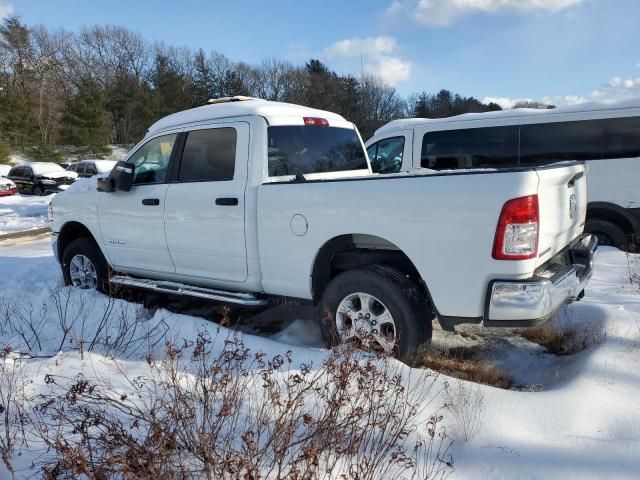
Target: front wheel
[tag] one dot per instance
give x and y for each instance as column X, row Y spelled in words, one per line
column 378, row 308
column 84, row 266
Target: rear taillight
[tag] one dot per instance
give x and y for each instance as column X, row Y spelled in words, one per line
column 517, row 230
column 315, row 122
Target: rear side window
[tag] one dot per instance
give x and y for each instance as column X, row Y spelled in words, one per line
column 492, row 147
column 621, row 137
column 209, row 155
column 386, row 155
column 555, row 142
column 294, row 150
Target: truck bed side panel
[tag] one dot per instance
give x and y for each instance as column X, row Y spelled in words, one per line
column 444, row 223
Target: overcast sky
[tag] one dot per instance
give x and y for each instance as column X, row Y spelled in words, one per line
column 561, row 51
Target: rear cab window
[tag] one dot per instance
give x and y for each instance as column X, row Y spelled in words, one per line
column 209, row 155
column 314, row 151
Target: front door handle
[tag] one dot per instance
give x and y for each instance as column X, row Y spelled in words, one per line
column 151, row 201
column 227, row 201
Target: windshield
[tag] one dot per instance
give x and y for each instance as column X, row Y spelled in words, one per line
column 301, row 150
column 44, row 168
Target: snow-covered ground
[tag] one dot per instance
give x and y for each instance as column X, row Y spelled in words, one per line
column 23, row 212
column 583, row 423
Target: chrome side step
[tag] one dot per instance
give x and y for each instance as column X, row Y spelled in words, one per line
column 235, row 298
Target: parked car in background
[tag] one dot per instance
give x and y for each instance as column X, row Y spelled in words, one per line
column 4, row 170
column 605, row 135
column 89, row 168
column 41, row 178
column 246, row 200
column 7, row 187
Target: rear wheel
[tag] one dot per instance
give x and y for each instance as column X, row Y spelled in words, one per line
column 377, row 308
column 84, row 266
column 608, row 234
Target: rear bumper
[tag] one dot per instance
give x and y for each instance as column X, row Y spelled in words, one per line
column 530, row 302
column 8, row 192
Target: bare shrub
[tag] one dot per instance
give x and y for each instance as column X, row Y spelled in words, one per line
column 465, row 401
column 11, row 406
column 456, row 363
column 211, row 412
column 72, row 319
column 633, row 268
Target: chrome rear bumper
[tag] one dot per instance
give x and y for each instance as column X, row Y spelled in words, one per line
column 533, row 301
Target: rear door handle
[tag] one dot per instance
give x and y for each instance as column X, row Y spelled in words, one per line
column 227, row 201
column 151, row 201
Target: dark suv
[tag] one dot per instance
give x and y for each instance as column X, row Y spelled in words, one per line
column 41, row 178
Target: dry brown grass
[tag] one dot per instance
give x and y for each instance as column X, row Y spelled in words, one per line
column 465, row 366
column 556, row 342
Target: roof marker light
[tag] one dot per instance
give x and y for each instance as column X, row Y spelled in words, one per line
column 316, row 122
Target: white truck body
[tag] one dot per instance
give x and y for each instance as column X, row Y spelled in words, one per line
column 282, row 234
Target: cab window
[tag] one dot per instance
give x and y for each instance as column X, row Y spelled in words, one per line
column 152, row 160
column 386, row 155
column 209, row 155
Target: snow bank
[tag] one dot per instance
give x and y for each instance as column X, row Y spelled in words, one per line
column 21, row 212
column 585, row 426
column 85, row 184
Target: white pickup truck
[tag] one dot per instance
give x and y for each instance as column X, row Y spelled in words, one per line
column 244, row 200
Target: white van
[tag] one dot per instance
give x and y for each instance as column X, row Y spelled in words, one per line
column 607, row 135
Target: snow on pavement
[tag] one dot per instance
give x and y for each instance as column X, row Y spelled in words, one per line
column 23, row 212
column 585, row 426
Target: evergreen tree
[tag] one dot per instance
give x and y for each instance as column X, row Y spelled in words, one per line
column 321, row 87
column 203, row 81
column 130, row 104
column 231, row 84
column 17, row 125
column 171, row 89
column 5, row 151
column 84, row 121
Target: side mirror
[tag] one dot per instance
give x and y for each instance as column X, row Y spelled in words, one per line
column 120, row 178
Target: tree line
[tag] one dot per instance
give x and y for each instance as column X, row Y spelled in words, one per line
column 106, row 84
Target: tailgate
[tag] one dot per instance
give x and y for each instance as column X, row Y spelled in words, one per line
column 562, row 197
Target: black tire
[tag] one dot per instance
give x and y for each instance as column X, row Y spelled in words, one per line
column 410, row 310
column 609, row 234
column 88, row 248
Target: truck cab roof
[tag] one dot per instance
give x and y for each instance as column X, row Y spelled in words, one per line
column 233, row 107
